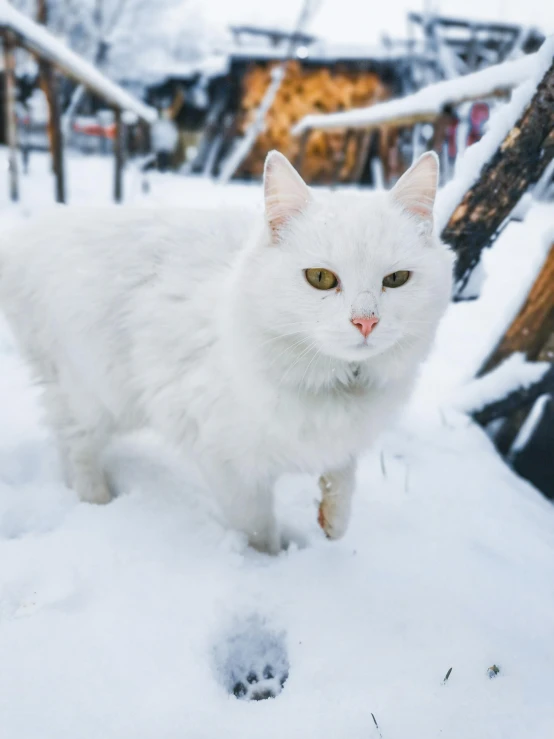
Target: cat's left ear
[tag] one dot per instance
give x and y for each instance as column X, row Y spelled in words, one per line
column 285, row 192
column 415, row 191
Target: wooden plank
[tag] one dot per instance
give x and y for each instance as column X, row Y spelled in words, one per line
column 118, row 152
column 517, row 164
column 10, row 113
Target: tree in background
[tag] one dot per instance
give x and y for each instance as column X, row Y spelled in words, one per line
column 119, row 35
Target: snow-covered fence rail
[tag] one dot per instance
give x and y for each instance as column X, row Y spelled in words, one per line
column 36, row 39
column 428, row 103
column 16, row 29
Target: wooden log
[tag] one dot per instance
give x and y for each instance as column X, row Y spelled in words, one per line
column 517, row 164
column 118, row 152
column 532, row 331
column 10, row 113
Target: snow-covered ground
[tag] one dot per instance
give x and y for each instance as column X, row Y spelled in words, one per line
column 131, row 620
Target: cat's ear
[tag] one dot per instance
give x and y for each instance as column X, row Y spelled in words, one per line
column 415, row 191
column 285, row 192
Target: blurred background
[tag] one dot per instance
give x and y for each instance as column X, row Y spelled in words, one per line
column 205, row 89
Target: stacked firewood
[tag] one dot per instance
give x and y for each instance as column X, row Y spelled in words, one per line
column 306, row 90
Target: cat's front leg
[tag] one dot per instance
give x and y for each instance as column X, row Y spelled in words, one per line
column 248, row 506
column 337, row 488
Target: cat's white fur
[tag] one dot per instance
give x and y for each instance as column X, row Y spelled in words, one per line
column 203, row 327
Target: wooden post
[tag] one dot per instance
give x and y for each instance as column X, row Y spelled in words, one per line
column 11, row 120
column 48, row 82
column 50, row 88
column 118, row 152
column 363, row 144
column 341, row 156
column 299, row 163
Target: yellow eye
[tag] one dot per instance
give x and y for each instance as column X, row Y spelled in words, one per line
column 397, row 279
column 322, row 279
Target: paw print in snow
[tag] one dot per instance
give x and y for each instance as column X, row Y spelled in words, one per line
column 252, row 662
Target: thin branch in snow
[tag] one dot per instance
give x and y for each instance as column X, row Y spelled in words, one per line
column 383, row 467
column 376, row 725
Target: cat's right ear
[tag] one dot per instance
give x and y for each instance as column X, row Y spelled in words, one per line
column 285, row 192
column 415, row 191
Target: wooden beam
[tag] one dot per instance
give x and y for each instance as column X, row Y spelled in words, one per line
column 517, row 164
column 10, row 113
column 118, row 152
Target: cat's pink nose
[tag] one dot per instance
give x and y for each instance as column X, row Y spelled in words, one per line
column 365, row 325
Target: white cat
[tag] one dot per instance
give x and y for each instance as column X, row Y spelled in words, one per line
column 285, row 349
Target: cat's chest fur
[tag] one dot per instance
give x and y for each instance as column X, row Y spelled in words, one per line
column 292, row 429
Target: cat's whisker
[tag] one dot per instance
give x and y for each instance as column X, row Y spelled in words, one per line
column 287, row 349
column 301, row 383
column 281, row 336
column 293, row 365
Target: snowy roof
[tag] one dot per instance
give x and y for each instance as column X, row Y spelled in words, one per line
column 428, row 102
column 157, row 68
column 319, row 51
column 39, row 40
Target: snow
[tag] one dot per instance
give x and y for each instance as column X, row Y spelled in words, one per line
column 530, row 424
column 129, row 619
column 40, row 39
column 513, row 374
column 429, row 101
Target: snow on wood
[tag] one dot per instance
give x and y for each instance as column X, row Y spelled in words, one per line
column 37, row 39
column 509, row 160
column 514, row 403
column 515, row 373
column 427, row 103
column 529, row 427
column 470, row 164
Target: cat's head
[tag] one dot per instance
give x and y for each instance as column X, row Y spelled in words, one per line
column 350, row 276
